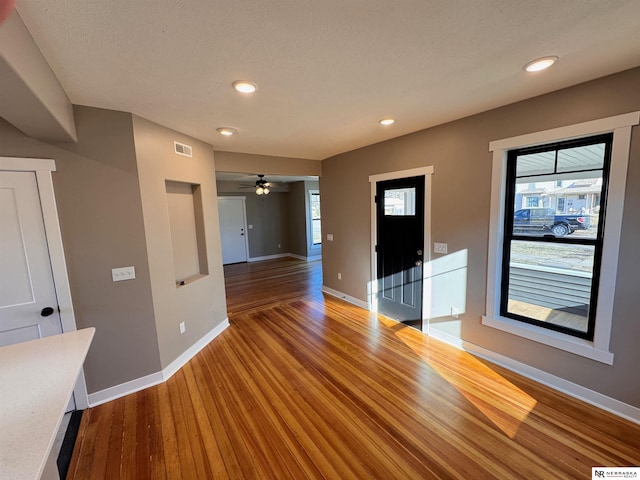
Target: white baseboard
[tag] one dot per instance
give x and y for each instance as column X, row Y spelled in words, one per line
column 267, row 257
column 117, row 391
column 599, row 400
column 282, row 255
column 156, row 378
column 345, row 297
column 193, row 350
column 306, row 259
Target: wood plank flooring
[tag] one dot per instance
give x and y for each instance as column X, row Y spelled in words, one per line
column 305, row 386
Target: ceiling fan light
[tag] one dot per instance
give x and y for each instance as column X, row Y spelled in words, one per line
column 266, row 190
column 260, row 190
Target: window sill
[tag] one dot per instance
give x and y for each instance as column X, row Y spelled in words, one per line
column 558, row 340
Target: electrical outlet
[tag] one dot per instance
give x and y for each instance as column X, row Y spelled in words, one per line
column 455, row 312
column 182, row 328
column 440, row 248
column 123, row 273
column 278, row 245
column 339, row 276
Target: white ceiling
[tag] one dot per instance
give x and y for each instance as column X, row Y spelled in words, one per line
column 328, row 70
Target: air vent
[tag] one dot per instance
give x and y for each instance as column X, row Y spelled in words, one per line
column 182, row 149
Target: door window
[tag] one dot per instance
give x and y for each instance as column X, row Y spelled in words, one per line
column 400, row 201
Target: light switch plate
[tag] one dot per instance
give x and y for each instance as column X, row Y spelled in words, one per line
column 123, row 273
column 330, row 237
column 440, row 248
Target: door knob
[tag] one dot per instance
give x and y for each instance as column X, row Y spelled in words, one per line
column 419, row 252
column 418, row 263
column 46, row 311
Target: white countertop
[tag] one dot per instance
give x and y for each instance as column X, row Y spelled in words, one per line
column 37, row 379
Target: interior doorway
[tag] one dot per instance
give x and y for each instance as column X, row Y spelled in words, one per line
column 35, row 293
column 28, row 303
column 233, row 229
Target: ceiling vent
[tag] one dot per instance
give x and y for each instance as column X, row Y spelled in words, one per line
column 182, row 149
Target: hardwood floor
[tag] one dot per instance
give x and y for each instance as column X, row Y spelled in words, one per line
column 305, row 386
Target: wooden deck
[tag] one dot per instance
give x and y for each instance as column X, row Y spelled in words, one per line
column 305, row 386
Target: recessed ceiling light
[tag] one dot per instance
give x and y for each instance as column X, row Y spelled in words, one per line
column 227, row 131
column 244, row 86
column 540, row 64
column 387, row 121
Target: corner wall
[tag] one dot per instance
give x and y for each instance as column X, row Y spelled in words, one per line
column 100, row 212
column 201, row 304
column 298, row 217
column 459, row 153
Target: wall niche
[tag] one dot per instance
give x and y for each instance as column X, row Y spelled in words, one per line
column 186, row 219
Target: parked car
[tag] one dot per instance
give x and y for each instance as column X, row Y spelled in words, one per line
column 544, row 221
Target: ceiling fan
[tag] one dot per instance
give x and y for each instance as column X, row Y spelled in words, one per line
column 262, row 186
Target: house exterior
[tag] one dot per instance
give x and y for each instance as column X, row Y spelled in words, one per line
column 579, row 196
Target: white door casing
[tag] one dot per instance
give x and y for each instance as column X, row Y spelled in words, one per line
column 233, row 229
column 41, row 171
column 26, row 280
column 372, row 287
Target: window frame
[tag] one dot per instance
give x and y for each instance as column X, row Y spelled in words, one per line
column 596, row 242
column 312, row 244
column 598, row 348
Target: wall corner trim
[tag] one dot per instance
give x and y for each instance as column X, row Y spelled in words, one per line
column 117, row 391
column 611, row 405
column 192, row 351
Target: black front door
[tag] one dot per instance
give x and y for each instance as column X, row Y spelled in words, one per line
column 400, row 238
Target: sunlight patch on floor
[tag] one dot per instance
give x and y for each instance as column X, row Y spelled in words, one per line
column 503, row 403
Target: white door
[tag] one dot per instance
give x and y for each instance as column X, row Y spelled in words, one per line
column 233, row 232
column 28, row 304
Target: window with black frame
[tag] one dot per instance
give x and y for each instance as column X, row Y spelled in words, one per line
column 553, row 244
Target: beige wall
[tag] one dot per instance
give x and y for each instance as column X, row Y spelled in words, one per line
column 299, row 227
column 266, row 164
column 100, row 211
column 297, row 219
column 112, row 202
column 31, row 97
column 459, row 153
column 277, row 218
column 200, row 304
column 268, row 214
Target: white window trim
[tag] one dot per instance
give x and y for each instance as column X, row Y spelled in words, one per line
column 598, row 349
